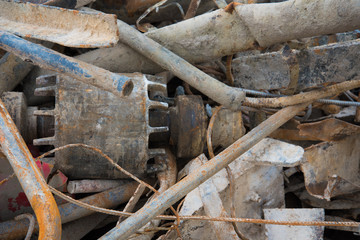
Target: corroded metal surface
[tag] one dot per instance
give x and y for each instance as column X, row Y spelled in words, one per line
column 36, row 190
column 52, row 60
column 328, row 130
column 176, row 192
column 67, row 27
column 188, row 126
column 332, row 168
column 86, row 114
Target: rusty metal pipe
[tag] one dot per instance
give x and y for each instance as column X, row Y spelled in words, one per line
column 30, row 178
column 216, row 90
column 180, row 189
column 70, row 212
column 49, row 59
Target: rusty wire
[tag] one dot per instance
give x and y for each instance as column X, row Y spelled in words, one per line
column 31, row 219
column 169, row 217
column 228, row 170
column 187, row 88
column 207, row 218
column 133, row 201
column 7, row 179
column 113, row 163
column 149, row 10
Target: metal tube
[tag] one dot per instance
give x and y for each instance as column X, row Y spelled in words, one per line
column 30, row 178
column 49, row 59
column 52, row 24
column 216, row 90
column 93, row 185
column 177, row 191
column 70, row 212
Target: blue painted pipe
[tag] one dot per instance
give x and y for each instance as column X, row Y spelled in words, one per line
column 52, row 60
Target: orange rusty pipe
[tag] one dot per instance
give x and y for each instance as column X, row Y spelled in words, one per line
column 30, row 178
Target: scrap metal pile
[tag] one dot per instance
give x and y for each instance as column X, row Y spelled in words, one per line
column 188, row 119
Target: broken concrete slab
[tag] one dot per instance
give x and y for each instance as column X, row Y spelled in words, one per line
column 301, row 69
column 255, row 172
column 274, row 232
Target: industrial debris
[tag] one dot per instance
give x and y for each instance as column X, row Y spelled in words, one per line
column 188, row 119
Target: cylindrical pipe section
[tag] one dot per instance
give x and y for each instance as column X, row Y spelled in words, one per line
column 49, row 59
column 295, row 19
column 30, row 178
column 209, row 169
column 214, row 89
column 93, row 185
column 70, row 212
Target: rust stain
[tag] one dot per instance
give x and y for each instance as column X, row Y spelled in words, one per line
column 231, row 7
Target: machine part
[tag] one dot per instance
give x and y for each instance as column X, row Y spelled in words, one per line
column 131, row 143
column 274, row 232
column 28, row 125
column 307, row 68
column 29, row 176
column 91, row 186
column 228, row 96
column 117, row 84
column 66, row 27
column 12, row 71
column 120, row 128
column 15, row 104
column 70, row 212
column 188, row 126
column 177, row 191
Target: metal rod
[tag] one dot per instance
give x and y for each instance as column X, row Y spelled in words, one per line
column 325, row 101
column 70, row 212
column 216, row 90
column 30, row 178
column 180, row 189
column 49, row 59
